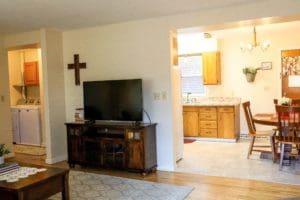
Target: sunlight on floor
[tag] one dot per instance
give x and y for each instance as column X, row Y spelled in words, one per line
column 230, row 160
column 29, row 149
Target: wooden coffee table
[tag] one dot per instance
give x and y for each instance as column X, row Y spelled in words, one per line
column 39, row 186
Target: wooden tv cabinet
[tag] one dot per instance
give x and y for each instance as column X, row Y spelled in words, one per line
column 112, row 145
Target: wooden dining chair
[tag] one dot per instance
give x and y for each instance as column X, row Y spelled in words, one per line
column 253, row 134
column 288, row 130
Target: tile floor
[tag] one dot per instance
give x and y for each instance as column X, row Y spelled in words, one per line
column 230, row 160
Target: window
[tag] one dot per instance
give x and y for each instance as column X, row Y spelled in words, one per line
column 191, row 74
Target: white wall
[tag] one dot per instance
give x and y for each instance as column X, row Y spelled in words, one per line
column 54, row 95
column 140, row 49
column 125, row 51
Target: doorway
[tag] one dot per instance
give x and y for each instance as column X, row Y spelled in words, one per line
column 208, row 156
column 24, row 67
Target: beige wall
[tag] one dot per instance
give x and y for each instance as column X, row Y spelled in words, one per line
column 5, row 116
column 15, row 75
column 267, row 84
column 140, row 49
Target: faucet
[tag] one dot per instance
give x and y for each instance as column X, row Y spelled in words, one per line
column 187, row 97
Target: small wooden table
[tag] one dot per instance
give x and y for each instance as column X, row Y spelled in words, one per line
column 39, row 186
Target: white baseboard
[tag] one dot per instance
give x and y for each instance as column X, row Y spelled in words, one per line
column 166, row 168
column 56, row 159
column 211, row 139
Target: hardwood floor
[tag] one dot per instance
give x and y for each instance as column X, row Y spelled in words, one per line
column 205, row 187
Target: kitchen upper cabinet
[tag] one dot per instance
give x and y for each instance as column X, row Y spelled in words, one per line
column 190, row 121
column 31, row 73
column 211, row 68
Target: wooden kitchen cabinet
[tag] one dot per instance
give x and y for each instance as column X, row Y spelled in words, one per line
column 31, row 73
column 208, row 121
column 226, row 122
column 190, row 121
column 211, row 121
column 211, row 69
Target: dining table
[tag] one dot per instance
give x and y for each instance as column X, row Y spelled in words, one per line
column 269, row 119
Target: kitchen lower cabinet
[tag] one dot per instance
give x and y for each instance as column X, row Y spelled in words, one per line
column 190, row 122
column 226, row 125
column 211, row 121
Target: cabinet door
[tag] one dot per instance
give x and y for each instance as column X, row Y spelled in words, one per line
column 113, row 153
column 226, row 125
column 75, row 148
column 75, row 144
column 135, row 149
column 211, row 68
column 190, row 123
column 31, row 74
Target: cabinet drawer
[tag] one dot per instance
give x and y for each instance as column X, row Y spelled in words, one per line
column 208, row 109
column 226, row 109
column 208, row 133
column 190, row 108
column 208, row 124
column 208, row 116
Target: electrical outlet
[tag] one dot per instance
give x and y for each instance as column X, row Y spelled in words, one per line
column 156, row 96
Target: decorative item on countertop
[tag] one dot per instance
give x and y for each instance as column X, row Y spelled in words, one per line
column 285, row 101
column 79, row 115
column 250, row 73
column 3, row 151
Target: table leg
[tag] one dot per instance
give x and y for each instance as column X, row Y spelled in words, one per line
column 65, row 191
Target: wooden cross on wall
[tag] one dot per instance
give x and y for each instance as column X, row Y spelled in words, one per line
column 77, row 66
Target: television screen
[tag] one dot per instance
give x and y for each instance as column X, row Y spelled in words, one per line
column 118, row 100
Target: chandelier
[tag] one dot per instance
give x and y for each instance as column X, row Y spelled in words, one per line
column 264, row 45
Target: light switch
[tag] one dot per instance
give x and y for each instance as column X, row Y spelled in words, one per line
column 156, row 96
column 164, row 95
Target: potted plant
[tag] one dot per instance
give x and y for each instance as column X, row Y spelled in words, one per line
column 250, row 73
column 3, row 151
column 285, row 101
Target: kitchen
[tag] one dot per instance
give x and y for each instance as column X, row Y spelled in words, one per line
column 215, row 130
column 24, row 65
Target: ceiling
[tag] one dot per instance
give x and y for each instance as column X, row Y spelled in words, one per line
column 21, row 15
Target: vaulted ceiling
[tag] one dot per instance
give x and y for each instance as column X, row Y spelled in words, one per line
column 26, row 15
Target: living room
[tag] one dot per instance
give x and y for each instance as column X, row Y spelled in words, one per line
column 137, row 49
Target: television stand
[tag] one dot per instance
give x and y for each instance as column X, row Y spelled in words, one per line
column 121, row 145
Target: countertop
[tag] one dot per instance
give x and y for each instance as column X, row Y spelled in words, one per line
column 214, row 101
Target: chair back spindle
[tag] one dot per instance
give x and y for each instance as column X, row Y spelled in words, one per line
column 249, row 119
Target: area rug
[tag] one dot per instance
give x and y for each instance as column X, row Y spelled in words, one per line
column 187, row 141
column 90, row 186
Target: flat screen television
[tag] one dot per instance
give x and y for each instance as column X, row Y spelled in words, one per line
column 113, row 100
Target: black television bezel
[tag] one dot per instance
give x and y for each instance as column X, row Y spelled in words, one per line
column 113, row 120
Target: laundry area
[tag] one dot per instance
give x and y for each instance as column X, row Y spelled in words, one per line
column 24, row 78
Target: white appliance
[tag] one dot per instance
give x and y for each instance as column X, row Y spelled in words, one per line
column 26, row 124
